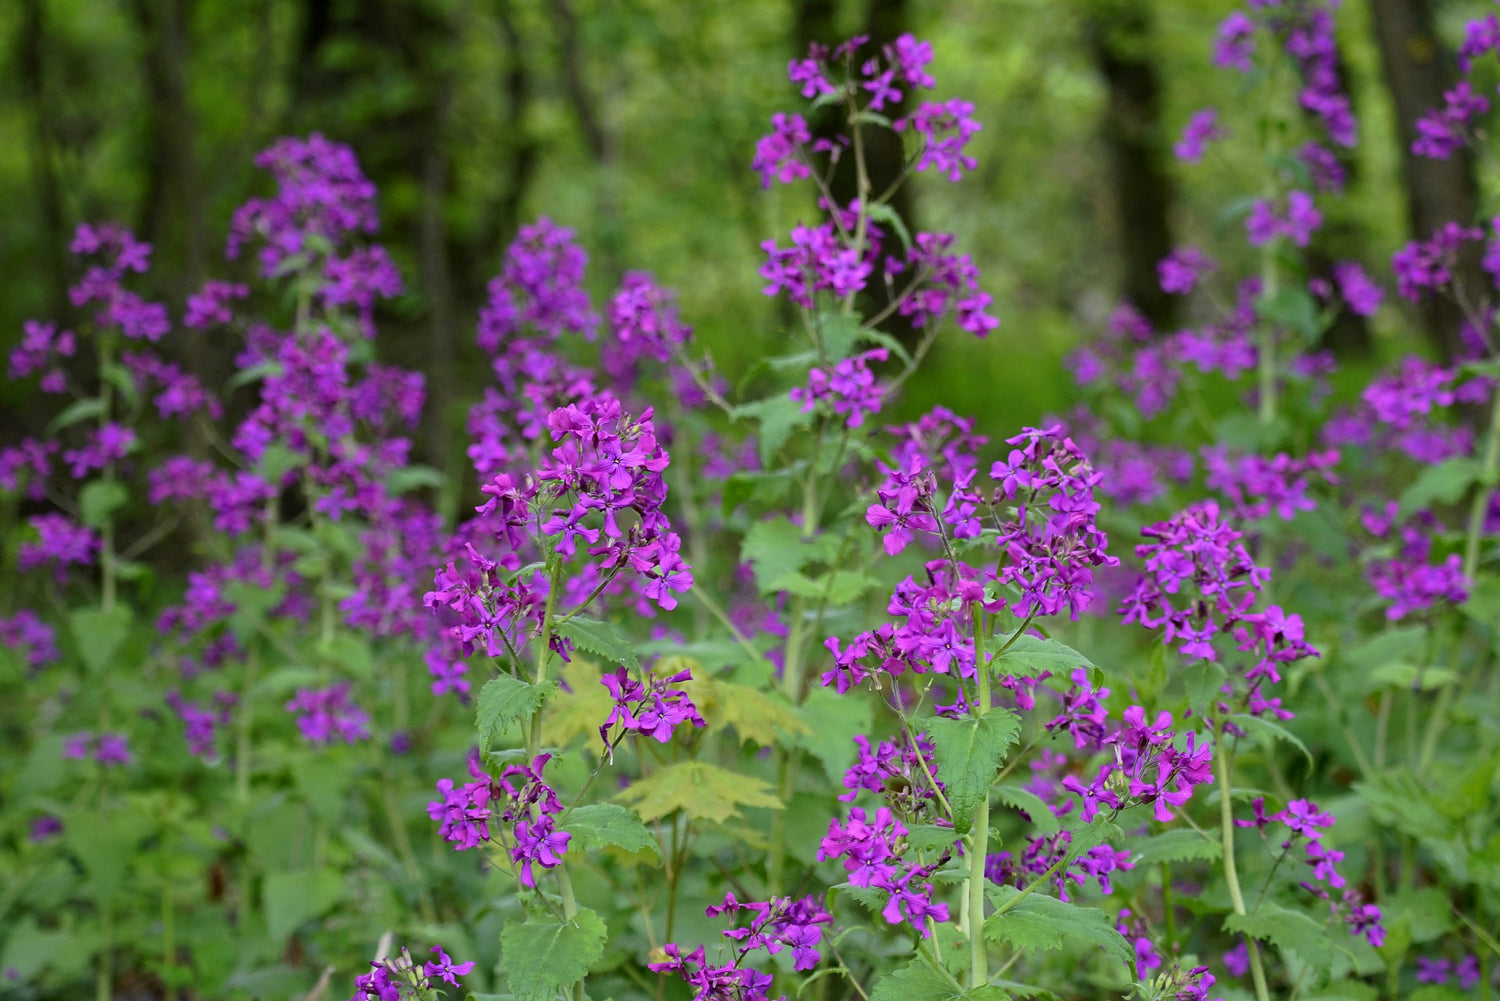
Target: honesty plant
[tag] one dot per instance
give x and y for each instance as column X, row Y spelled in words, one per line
column 786, row 655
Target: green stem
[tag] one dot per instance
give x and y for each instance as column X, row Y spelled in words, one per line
column 979, row 830
column 1222, row 759
column 534, row 732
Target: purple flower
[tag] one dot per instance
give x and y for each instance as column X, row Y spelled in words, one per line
column 325, row 715
column 1235, row 44
column 1201, row 129
column 445, row 969
column 1180, row 271
column 945, row 129
column 776, row 155
column 1300, row 220
column 1443, row 132
column 849, row 390
column 60, row 543
column 1361, row 294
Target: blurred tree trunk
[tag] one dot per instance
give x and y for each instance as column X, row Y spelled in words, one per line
column 521, row 166
column 31, row 46
column 1437, row 191
column 598, row 138
column 1120, row 39
column 885, row 155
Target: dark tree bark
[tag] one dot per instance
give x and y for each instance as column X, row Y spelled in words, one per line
column 885, row 155
column 1120, row 41
column 172, row 214
column 1437, row 191
column 521, row 167
column 31, row 48
column 597, row 137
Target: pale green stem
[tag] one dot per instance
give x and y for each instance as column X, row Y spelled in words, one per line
column 979, row 835
column 1222, row 756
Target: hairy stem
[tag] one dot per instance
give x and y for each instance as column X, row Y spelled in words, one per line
column 980, row 828
column 1222, row 758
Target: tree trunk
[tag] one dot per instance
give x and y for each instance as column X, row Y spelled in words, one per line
column 1437, row 191
column 1120, row 41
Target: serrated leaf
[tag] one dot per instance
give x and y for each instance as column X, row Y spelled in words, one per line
column 541, row 959
column 581, row 709
column 1032, row 655
column 99, row 499
column 1034, row 806
column 701, row 791
column 1175, row 846
column 1286, row 929
column 840, row 587
column 99, row 634
column 602, row 638
column 1040, row 923
column 1346, row 990
column 755, row 715
column 1204, row 681
column 1266, row 733
column 969, row 752
column 929, row 838
column 503, row 702
column 919, row 980
column 601, row 824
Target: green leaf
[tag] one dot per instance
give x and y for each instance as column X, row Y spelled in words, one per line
column 81, row 411
column 919, row 980
column 105, row 849
column 833, row 721
column 276, row 461
column 407, row 478
column 99, row 499
column 754, row 714
column 840, row 587
column 1291, row 306
column 1041, row 815
column 254, row 373
column 1445, row 483
column 251, row 605
column 700, row 790
column 774, row 548
column 928, row 838
column 293, row 898
column 1286, row 929
column 1425, row 914
column 602, row 638
column 1345, row 990
column 1204, row 681
column 1040, row 923
column 969, row 752
column 601, row 824
column 1175, row 846
column 1032, row 655
column 778, row 417
column 503, row 702
column 1266, row 733
column 99, row 634
column 885, row 215
column 541, row 959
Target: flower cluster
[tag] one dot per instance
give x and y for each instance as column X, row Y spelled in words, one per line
column 1200, row 584
column 520, row 799
column 1148, row 767
column 1306, row 824
column 108, row 749
column 1051, row 541
column 326, row 714
column 1407, row 579
column 398, row 978
column 871, row 849
column 1259, row 487
column 653, row 709
column 849, row 390
column 778, row 924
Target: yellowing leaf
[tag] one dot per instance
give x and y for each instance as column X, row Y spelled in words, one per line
column 702, row 791
column 580, row 711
